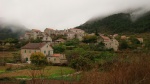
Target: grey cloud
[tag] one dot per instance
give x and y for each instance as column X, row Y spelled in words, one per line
column 60, row 14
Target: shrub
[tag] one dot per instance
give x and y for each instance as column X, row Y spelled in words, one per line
column 136, row 71
column 38, row 59
column 81, row 63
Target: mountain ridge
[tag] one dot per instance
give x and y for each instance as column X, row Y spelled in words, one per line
column 118, row 23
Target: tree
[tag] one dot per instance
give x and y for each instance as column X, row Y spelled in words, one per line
column 73, row 54
column 73, row 42
column 90, row 39
column 11, row 40
column 134, row 42
column 36, row 40
column 100, row 46
column 38, row 59
column 123, row 45
column 81, row 63
column 59, row 48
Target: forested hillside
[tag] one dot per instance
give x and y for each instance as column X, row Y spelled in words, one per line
column 118, row 23
column 11, row 31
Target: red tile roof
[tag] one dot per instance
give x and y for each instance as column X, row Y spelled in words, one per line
column 56, row 55
column 33, row 46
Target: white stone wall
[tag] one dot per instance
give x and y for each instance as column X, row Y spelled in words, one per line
column 47, row 50
column 47, row 39
column 26, row 53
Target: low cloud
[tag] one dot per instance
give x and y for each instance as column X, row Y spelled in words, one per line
column 61, row 14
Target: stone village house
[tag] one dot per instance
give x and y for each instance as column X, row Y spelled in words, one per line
column 30, row 48
column 44, row 48
column 57, row 59
column 109, row 43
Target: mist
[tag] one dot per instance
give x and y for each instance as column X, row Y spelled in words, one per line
column 62, row 14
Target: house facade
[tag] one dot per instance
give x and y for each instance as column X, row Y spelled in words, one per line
column 30, row 48
column 109, row 43
column 49, row 31
column 33, row 34
column 75, row 33
column 57, row 59
column 47, row 39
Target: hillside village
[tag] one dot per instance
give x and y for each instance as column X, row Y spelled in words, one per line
column 75, row 42
column 51, row 37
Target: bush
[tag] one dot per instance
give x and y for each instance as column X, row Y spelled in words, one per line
column 38, row 59
column 81, row 63
column 134, row 72
column 6, row 79
column 23, row 82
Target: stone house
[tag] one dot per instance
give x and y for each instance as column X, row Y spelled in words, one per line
column 30, row 48
column 70, row 35
column 49, row 31
column 47, row 39
column 75, row 33
column 124, row 37
column 57, row 59
column 27, row 35
column 33, row 34
column 109, row 43
column 140, row 40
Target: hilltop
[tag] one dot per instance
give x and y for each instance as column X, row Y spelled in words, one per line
column 118, row 23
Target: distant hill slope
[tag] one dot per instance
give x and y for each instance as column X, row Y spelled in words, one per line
column 118, row 23
column 11, row 31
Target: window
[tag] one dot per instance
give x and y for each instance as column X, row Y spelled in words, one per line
column 25, row 51
column 35, row 51
column 48, row 52
column 44, row 51
column 54, row 59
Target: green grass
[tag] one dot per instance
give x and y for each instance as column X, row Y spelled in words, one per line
column 50, row 72
column 2, row 71
column 68, row 78
column 57, row 71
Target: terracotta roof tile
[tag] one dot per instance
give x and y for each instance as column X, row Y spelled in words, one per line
column 56, row 55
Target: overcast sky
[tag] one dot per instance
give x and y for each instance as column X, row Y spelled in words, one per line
column 62, row 14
